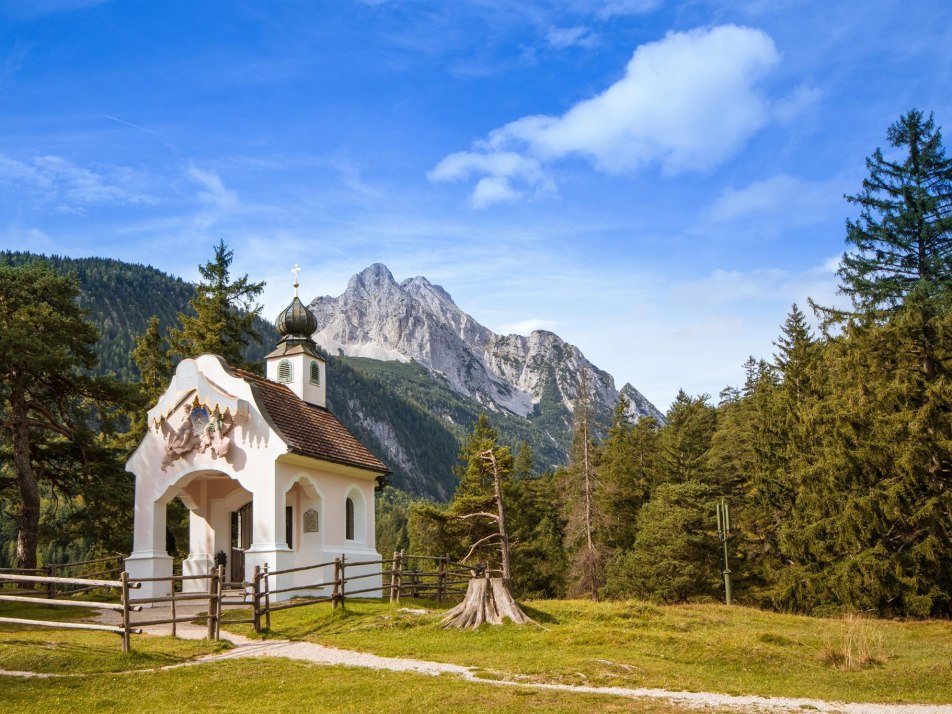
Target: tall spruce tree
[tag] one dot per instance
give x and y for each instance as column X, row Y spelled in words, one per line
column 627, row 468
column 870, row 527
column 221, row 316
column 902, row 240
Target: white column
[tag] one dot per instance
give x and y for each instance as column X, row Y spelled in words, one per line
column 149, row 558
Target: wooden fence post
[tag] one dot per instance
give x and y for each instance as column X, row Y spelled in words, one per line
column 441, row 579
column 124, row 599
column 267, row 600
column 393, row 575
column 51, row 590
column 218, row 599
column 335, row 595
column 256, row 599
column 212, row 592
column 343, row 579
column 400, row 574
column 174, row 624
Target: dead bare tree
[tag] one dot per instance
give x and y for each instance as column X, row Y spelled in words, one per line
column 581, row 483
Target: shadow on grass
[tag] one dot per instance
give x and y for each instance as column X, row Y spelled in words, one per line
column 539, row 616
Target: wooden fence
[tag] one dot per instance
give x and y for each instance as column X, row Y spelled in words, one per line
column 415, row 576
column 97, row 568
column 404, row 575
column 124, row 606
column 213, row 596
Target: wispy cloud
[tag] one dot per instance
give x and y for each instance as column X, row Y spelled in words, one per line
column 213, row 190
column 784, row 197
column 56, row 180
column 578, row 36
column 526, row 326
column 38, row 8
column 12, row 63
column 628, row 7
column 687, row 102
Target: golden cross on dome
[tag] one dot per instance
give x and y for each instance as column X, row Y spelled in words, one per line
column 296, row 269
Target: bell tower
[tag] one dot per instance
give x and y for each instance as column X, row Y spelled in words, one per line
column 296, row 361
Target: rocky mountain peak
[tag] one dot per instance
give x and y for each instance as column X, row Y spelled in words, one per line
column 418, row 320
column 371, row 280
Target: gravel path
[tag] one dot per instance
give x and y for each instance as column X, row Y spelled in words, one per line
column 319, row 654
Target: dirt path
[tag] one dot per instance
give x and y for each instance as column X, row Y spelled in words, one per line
column 319, row 654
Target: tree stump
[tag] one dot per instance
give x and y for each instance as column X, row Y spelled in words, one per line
column 487, row 600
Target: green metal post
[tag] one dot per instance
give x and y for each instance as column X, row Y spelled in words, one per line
column 724, row 533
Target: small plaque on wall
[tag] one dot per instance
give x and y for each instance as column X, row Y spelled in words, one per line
column 310, row 521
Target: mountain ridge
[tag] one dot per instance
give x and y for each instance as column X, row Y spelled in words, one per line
column 417, row 320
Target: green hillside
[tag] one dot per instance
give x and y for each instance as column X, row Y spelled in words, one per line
column 410, row 419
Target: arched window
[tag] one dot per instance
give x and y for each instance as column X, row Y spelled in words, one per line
column 315, row 373
column 284, row 371
column 349, row 512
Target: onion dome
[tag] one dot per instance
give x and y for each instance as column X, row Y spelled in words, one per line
column 296, row 321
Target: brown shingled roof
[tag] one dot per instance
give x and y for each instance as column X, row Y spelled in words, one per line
column 309, row 430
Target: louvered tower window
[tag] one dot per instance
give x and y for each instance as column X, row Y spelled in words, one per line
column 284, row 371
column 315, row 373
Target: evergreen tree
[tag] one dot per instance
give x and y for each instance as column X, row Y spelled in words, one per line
column 50, row 402
column 685, row 438
column 674, row 557
column 222, row 314
column 902, row 241
column 627, row 466
column 474, row 524
column 537, row 530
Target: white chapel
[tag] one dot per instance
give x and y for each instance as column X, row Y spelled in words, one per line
column 268, row 473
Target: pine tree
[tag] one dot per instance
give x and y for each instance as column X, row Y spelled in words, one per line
column 49, row 400
column 685, row 438
column 627, row 466
column 474, row 524
column 222, row 314
column 870, row 527
column 537, row 530
column 903, row 238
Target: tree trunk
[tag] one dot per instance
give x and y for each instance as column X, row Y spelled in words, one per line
column 29, row 520
column 487, row 600
column 503, row 531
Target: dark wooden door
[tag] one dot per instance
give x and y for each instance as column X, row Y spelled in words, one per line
column 241, row 531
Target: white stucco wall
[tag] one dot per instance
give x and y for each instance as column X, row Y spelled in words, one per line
column 257, row 466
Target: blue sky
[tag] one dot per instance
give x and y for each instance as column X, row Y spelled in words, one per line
column 654, row 181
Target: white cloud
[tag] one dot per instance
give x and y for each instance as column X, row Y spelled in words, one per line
column 215, row 192
column 687, row 102
column 562, row 37
column 53, row 179
column 526, row 326
column 503, row 168
column 762, row 286
column 785, row 197
column 629, row 7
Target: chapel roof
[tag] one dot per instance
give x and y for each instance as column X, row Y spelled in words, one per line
column 308, row 429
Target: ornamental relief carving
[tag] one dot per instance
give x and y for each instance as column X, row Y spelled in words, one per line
column 198, row 430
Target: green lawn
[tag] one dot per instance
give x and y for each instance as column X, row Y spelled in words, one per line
column 715, row 648
column 49, row 650
column 276, row 685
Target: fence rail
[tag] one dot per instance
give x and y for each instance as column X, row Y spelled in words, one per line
column 402, row 575
column 125, row 606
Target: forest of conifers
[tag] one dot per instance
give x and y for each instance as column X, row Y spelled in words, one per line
column 834, row 456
